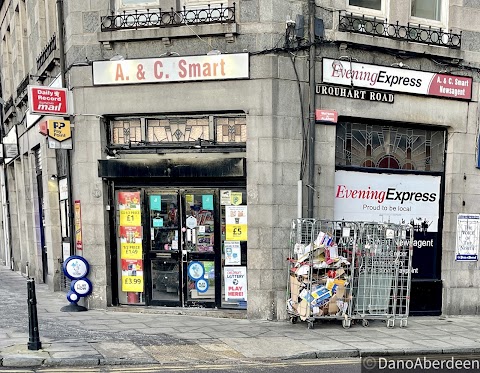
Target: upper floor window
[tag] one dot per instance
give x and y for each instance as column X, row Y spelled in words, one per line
column 429, row 9
column 429, row 12
column 368, row 7
column 135, row 4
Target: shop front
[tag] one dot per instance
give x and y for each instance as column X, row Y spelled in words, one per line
column 181, row 242
column 389, row 167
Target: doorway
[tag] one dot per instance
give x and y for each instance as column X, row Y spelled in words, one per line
column 177, row 247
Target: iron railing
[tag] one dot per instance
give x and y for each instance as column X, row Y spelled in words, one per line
column 151, row 18
column 8, row 104
column 47, row 51
column 414, row 33
column 23, row 85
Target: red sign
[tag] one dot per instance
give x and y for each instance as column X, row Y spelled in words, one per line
column 326, row 116
column 47, row 100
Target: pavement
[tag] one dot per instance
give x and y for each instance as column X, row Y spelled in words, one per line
column 140, row 336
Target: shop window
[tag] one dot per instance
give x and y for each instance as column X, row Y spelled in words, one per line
column 125, row 132
column 379, row 146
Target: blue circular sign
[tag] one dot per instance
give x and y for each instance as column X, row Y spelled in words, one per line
column 82, row 287
column 72, row 297
column 196, row 270
column 75, row 267
column 201, row 285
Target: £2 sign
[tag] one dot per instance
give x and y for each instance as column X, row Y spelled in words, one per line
column 47, row 100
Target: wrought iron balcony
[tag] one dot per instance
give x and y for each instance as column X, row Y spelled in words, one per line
column 152, row 18
column 414, row 33
column 22, row 87
column 47, row 51
column 8, row 104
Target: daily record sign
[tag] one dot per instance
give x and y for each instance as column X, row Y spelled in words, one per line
column 397, row 80
column 171, row 69
column 48, row 100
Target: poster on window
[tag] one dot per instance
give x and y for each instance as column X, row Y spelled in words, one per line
column 233, row 255
column 131, row 242
column 236, row 223
column 468, row 237
column 235, row 283
column 394, row 198
column 132, row 275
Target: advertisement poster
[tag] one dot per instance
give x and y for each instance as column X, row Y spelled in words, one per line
column 233, row 255
column 131, row 251
column 236, row 223
column 414, row 199
column 225, row 196
column 131, row 242
column 132, row 275
column 468, row 237
column 78, row 225
column 235, row 283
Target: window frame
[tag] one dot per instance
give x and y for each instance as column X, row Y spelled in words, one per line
column 441, row 24
column 383, row 13
column 146, row 4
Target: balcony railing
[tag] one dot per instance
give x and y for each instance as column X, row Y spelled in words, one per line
column 47, row 51
column 151, row 18
column 23, row 85
column 8, row 104
column 414, row 33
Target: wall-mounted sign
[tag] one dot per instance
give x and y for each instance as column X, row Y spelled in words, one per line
column 77, row 216
column 329, row 116
column 63, row 188
column 396, row 80
column 59, row 129
column 48, row 100
column 171, row 69
column 355, row 93
column 468, row 237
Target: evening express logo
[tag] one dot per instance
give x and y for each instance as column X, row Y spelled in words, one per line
column 372, row 78
column 380, row 196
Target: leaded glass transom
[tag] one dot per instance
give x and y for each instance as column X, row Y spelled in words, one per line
column 377, row 146
column 125, row 132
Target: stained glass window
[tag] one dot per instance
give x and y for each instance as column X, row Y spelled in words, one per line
column 125, row 132
column 377, row 146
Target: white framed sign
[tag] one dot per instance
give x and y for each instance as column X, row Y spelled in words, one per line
column 235, row 283
column 354, row 74
column 468, row 237
column 394, row 198
column 172, row 69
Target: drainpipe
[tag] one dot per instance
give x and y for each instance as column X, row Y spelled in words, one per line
column 61, row 47
column 311, row 129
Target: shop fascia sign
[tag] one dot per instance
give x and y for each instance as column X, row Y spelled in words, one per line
column 392, row 79
column 47, row 100
column 171, row 69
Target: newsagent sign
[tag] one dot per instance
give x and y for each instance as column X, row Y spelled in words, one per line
column 48, row 100
column 171, row 69
column 361, row 196
column 396, row 80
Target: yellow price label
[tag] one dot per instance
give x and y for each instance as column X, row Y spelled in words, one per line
column 236, row 232
column 130, row 218
column 132, row 284
column 131, row 251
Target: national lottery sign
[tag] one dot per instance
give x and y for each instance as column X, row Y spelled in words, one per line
column 384, row 78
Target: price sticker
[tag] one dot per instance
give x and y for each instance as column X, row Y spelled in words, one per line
column 236, row 232
column 132, row 284
column 131, row 251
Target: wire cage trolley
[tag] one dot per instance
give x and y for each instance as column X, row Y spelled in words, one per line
column 382, row 273
column 321, row 262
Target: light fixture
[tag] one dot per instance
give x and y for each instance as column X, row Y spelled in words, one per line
column 198, row 143
column 214, row 52
column 117, row 57
column 53, row 177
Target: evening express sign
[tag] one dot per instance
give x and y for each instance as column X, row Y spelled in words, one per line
column 361, row 196
column 397, row 80
column 171, row 69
